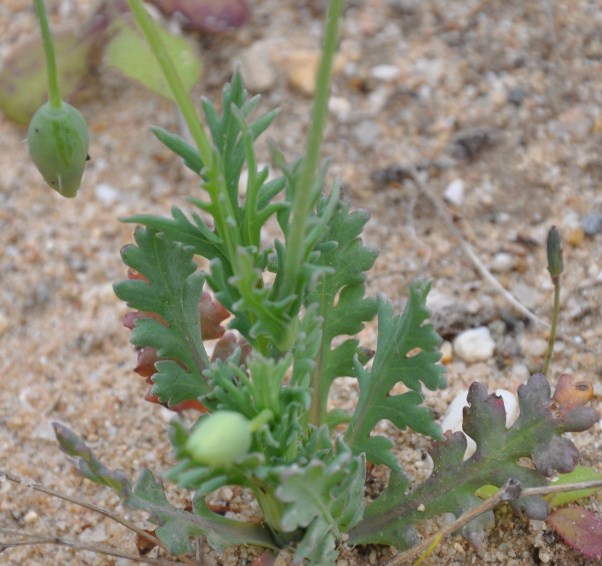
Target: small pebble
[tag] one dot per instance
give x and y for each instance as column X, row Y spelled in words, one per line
column 31, row 517
column 256, row 68
column 106, row 193
column 454, row 192
column 592, row 223
column 447, row 354
column 385, row 72
column 520, row 372
column 340, row 107
column 474, row 345
column 533, row 347
column 516, row 96
column 575, row 236
column 527, row 295
column 545, row 556
column 300, row 68
column 366, row 132
column 502, row 262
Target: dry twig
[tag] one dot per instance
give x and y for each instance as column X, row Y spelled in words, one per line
column 443, row 212
column 509, row 491
column 87, row 505
column 38, row 538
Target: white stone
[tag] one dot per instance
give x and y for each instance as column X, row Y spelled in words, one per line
column 106, row 193
column 474, row 345
column 256, row 68
column 454, row 192
column 533, row 347
column 366, row 132
column 385, row 72
column 502, row 262
column 31, row 517
column 340, row 107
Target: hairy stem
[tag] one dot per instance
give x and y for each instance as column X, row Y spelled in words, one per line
column 54, row 96
column 176, row 86
column 303, row 197
column 216, row 185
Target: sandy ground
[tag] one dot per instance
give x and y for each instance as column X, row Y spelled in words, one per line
column 501, row 98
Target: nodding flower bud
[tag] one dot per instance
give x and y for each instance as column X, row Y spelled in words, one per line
column 58, row 145
column 554, row 249
column 220, row 439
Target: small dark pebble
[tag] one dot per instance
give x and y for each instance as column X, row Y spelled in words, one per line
column 517, row 95
column 400, row 173
column 469, row 143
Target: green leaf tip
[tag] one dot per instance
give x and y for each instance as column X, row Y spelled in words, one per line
column 407, row 352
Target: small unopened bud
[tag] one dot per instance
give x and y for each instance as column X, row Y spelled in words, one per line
column 554, row 249
column 220, row 439
column 58, row 145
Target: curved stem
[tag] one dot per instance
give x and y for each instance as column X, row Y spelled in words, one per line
column 54, row 96
column 303, row 197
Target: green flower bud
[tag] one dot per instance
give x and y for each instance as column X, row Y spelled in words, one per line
column 220, row 439
column 554, row 251
column 58, row 145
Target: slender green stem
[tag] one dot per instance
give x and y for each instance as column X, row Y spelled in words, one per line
column 553, row 327
column 190, row 115
column 302, row 199
column 54, row 95
column 216, row 185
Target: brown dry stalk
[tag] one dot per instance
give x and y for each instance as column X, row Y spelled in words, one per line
column 87, row 505
column 39, row 538
column 509, row 491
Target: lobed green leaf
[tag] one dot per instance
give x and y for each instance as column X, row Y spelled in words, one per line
column 453, row 484
column 407, row 353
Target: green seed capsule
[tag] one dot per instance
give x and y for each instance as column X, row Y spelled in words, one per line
column 58, row 145
column 220, row 439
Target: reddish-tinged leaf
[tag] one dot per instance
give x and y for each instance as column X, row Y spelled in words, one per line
column 133, row 274
column 146, row 363
column 192, row 404
column 130, row 318
column 227, row 345
column 213, row 313
column 580, row 529
column 150, row 397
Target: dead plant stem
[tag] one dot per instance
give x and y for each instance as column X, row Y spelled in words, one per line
column 509, row 491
